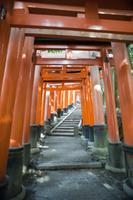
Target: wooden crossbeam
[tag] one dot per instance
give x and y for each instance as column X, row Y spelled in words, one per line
column 79, row 35
column 76, row 87
column 53, row 7
column 70, row 47
column 60, row 61
column 63, row 77
column 62, row 81
column 20, row 19
column 127, row 13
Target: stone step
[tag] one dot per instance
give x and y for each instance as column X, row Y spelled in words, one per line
column 66, row 127
column 71, row 120
column 66, row 166
column 63, row 131
column 62, row 134
column 70, row 127
column 70, row 123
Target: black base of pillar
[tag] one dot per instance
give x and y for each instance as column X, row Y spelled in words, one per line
column 41, row 129
column 14, row 171
column 116, row 158
column 34, row 135
column 3, row 188
column 49, row 121
column 128, row 185
column 53, row 116
column 71, row 106
column 65, row 110
column 62, row 113
column 128, row 188
column 86, row 131
column 59, row 112
column 100, row 136
column 26, row 160
column 91, row 134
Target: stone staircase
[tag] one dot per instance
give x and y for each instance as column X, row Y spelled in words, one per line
column 67, row 126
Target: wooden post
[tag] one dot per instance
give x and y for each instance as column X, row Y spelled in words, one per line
column 27, row 116
column 8, row 93
column 99, row 125
column 90, row 110
column 43, row 103
column 34, row 127
column 59, row 103
column 85, row 111
column 125, row 89
column 4, row 39
column 34, row 95
column 39, row 101
column 55, row 101
column 19, row 111
column 97, row 96
column 116, row 160
column 46, row 106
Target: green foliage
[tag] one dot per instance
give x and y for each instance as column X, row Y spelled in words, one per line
column 130, row 52
column 54, row 51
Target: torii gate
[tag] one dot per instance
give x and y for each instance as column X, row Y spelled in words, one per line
column 18, row 30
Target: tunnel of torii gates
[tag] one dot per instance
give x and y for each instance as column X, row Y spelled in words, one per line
column 33, row 88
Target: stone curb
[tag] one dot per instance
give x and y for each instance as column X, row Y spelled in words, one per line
column 93, row 165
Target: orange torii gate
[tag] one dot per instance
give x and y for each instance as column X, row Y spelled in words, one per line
column 14, row 23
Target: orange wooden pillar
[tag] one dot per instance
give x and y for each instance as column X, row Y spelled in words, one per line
column 49, row 108
column 53, row 105
column 91, row 12
column 69, row 98
column 55, row 101
column 58, row 99
column 8, row 93
column 82, row 105
column 34, row 95
column 66, row 101
column 19, row 111
column 85, row 110
column 91, row 102
column 43, row 104
column 76, row 96
column 4, row 39
column 100, row 140
column 46, row 117
column 59, row 103
column 73, row 97
column 125, row 89
column 18, row 120
column 40, row 107
column 52, row 101
column 90, row 109
column 39, row 101
column 27, row 114
column 34, row 127
column 116, row 160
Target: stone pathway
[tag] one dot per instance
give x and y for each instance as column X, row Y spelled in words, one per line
column 64, row 172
